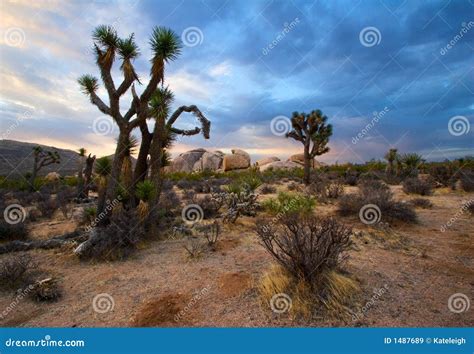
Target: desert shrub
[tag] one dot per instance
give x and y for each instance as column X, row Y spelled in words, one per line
column 417, row 186
column 201, row 187
column 210, row 205
column 88, row 215
column 169, row 203
column 469, row 206
column 46, row 204
column 63, row 198
column 238, row 204
column 14, row 270
column 306, row 246
column 294, row 186
column 442, row 174
column 211, row 232
column 10, row 232
column 234, row 187
column 379, row 194
column 184, row 184
column 325, row 188
column 194, row 246
column 289, row 203
column 421, row 203
column 267, row 189
column 351, row 178
column 46, row 290
column 251, row 182
column 467, row 181
column 115, row 241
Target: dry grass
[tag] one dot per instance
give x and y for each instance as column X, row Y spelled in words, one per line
column 334, row 294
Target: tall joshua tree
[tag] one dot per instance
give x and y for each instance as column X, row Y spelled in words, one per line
column 162, row 137
column 313, row 132
column 165, row 45
column 391, row 156
column 42, row 159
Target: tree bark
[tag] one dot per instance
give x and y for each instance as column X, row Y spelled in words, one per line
column 55, row 242
column 307, row 164
column 141, row 167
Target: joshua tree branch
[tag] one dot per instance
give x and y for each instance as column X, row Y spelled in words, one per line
column 100, row 104
column 205, row 123
column 189, row 132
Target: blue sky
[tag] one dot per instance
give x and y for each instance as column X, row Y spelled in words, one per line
column 395, row 73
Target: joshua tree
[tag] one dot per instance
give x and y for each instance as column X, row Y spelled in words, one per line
column 391, row 156
column 102, row 169
column 410, row 163
column 313, row 132
column 163, row 135
column 88, row 174
column 80, row 176
column 165, row 45
column 42, row 158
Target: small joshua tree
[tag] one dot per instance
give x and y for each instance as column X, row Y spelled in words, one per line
column 102, row 169
column 391, row 157
column 88, row 174
column 42, row 158
column 313, row 132
column 80, row 176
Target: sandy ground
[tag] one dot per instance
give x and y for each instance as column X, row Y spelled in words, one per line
column 419, row 266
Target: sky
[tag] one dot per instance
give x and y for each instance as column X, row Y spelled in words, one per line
column 388, row 74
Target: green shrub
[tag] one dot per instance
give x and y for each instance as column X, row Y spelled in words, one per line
column 289, row 202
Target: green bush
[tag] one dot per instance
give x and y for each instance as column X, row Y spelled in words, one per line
column 289, row 202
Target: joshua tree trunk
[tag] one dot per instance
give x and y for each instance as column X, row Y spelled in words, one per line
column 80, row 178
column 141, row 166
column 307, row 164
column 88, row 175
column 114, row 178
column 156, row 161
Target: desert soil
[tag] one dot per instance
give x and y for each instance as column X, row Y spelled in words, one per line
column 419, row 266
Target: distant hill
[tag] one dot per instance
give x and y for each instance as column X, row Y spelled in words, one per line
column 16, row 159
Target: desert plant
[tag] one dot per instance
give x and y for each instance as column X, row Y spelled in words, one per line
column 46, row 290
column 289, row 203
column 14, row 269
column 211, row 232
column 313, row 132
column 42, row 158
column 417, row 186
column 351, row 178
column 421, row 203
column 391, row 156
column 243, row 203
column 116, row 241
column 467, row 181
column 10, row 232
column 46, row 204
column 194, row 246
column 378, row 194
column 409, row 164
column 144, row 191
column 88, row 215
column 306, row 246
column 443, row 174
column 267, row 189
column 103, row 167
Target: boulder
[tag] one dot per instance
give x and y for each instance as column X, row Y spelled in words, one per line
column 299, row 159
column 280, row 165
column 185, row 161
column 237, row 161
column 241, row 153
column 266, row 160
column 210, row 160
column 52, row 177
